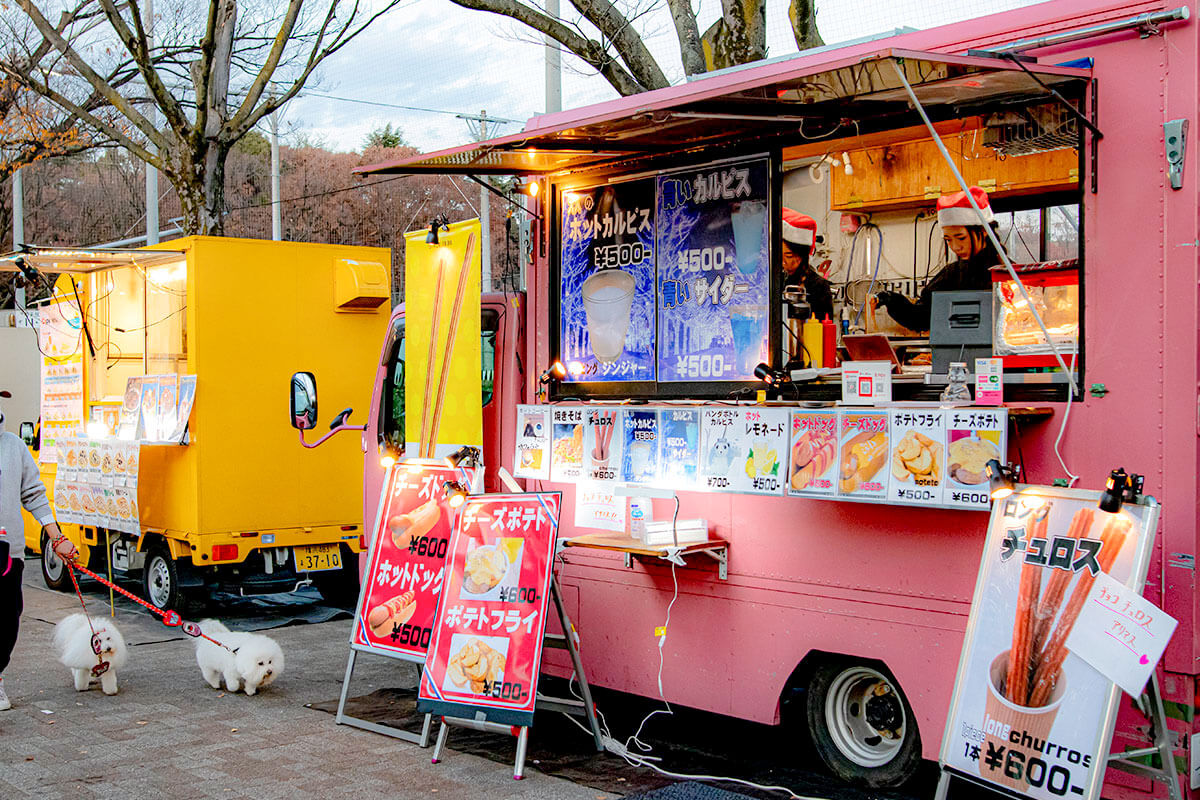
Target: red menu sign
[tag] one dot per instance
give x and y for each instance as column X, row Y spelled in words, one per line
column 487, row 646
column 406, row 562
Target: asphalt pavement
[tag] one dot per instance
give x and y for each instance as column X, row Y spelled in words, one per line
column 167, row 733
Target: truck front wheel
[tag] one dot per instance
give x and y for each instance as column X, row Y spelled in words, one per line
column 54, row 569
column 161, row 581
column 862, row 725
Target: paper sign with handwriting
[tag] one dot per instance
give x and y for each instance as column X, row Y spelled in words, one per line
column 1121, row 634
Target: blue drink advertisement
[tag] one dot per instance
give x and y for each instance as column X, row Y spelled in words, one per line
column 607, row 267
column 679, row 446
column 714, row 271
column 640, row 461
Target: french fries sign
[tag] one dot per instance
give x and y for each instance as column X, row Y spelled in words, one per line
column 1028, row 714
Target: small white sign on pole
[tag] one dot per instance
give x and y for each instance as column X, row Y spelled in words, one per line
column 1121, row 634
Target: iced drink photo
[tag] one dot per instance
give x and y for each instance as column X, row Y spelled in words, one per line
column 746, row 324
column 608, row 302
column 749, row 218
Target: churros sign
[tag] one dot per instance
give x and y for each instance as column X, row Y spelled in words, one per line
column 406, row 564
column 1027, row 714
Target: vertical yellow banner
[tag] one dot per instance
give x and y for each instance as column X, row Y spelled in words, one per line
column 443, row 392
column 60, row 339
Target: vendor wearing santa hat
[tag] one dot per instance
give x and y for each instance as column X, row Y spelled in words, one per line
column 968, row 240
column 799, row 236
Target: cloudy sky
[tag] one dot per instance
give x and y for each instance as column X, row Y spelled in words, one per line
column 445, row 60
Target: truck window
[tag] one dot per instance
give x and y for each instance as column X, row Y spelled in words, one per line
column 488, row 328
column 391, row 405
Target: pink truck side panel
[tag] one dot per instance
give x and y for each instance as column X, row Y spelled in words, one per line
column 892, row 584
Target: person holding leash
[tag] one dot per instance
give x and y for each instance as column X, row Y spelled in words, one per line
column 20, row 486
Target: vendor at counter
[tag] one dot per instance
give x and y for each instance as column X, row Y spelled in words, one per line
column 968, row 240
column 799, row 236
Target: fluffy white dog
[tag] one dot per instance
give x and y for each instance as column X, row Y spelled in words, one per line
column 256, row 662
column 73, row 640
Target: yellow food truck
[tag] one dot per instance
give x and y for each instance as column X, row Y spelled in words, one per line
column 232, row 505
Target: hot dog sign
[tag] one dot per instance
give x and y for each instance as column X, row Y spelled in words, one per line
column 406, row 562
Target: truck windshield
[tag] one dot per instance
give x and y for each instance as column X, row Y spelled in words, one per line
column 391, row 405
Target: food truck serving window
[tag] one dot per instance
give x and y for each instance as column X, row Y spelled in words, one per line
column 665, row 280
column 137, row 318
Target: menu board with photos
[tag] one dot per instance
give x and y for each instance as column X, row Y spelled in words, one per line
column 714, row 271
column 607, row 274
column 96, row 483
column 906, row 455
column 485, row 656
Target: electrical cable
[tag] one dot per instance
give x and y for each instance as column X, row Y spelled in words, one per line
column 874, row 273
column 643, row 759
column 1066, row 416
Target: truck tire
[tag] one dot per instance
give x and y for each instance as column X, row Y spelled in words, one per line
column 160, row 580
column 861, row 723
column 54, row 569
column 339, row 587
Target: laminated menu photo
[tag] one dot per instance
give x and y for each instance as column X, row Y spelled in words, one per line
column 863, row 454
column 679, row 446
column 760, row 451
column 974, row 436
column 639, row 463
column 602, row 445
column 917, row 465
column 812, row 468
column 533, row 443
column 566, row 459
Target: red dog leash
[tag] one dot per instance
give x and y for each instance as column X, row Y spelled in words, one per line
column 169, row 618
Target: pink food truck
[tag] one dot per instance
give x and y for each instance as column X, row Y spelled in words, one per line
column 655, row 275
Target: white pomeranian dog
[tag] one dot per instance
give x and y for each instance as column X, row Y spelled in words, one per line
column 256, row 661
column 80, row 651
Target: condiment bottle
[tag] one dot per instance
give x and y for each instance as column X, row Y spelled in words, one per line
column 813, row 338
column 829, row 342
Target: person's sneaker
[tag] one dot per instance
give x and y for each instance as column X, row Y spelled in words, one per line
column 4, row 702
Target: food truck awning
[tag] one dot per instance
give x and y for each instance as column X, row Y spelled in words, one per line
column 858, row 93
column 84, row 260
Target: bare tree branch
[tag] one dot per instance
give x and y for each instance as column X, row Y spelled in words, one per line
column 689, row 36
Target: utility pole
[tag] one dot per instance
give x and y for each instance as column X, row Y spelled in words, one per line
column 485, row 219
column 151, row 172
column 18, row 230
column 276, row 208
column 553, row 65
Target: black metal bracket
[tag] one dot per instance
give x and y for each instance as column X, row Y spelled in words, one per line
column 1067, row 104
column 504, row 196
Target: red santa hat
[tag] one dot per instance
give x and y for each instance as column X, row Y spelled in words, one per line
column 799, row 228
column 955, row 209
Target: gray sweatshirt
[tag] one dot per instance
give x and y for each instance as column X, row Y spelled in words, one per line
column 20, row 485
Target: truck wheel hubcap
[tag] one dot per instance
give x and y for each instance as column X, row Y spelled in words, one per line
column 865, row 717
column 160, row 582
column 54, row 565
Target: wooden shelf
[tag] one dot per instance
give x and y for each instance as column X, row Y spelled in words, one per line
column 717, row 549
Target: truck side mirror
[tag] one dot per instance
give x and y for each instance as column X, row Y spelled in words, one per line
column 304, row 401
column 27, row 435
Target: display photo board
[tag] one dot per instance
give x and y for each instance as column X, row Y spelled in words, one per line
column 486, row 652
column 912, row 455
column 714, row 271
column 406, row 561
column 1028, row 715
column 607, row 273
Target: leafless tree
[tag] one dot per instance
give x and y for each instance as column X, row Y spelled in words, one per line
column 177, row 91
column 604, row 34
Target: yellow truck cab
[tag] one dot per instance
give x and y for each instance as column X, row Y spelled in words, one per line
column 236, row 507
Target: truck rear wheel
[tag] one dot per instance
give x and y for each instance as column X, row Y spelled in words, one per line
column 161, row 581
column 862, row 725
column 54, row 569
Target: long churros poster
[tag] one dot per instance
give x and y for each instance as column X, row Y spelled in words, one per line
column 487, row 647
column 1027, row 714
column 443, row 351
column 405, row 565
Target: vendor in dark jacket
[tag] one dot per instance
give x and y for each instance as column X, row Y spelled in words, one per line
column 968, row 240
column 799, row 236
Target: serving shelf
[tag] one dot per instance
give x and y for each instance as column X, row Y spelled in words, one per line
column 717, row 549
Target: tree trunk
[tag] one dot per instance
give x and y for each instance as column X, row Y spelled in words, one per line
column 739, row 36
column 803, row 16
column 200, row 183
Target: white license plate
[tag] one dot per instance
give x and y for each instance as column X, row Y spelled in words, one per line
column 317, row 557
